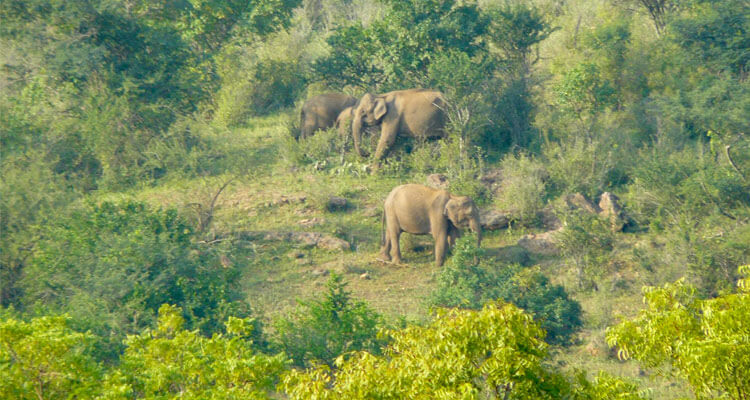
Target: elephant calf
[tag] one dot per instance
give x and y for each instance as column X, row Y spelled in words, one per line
column 321, row 112
column 421, row 210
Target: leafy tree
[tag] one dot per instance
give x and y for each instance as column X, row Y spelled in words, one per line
column 170, row 361
column 706, row 342
column 494, row 353
column 46, row 359
column 396, row 51
column 111, row 266
column 323, row 330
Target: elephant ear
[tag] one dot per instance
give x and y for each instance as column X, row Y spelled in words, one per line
column 450, row 209
column 380, row 108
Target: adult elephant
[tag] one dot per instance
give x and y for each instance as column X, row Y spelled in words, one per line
column 421, row 210
column 321, row 111
column 414, row 112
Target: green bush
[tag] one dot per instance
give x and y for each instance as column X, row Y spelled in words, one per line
column 464, row 282
column 523, row 186
column 322, row 330
column 111, row 266
column 587, row 241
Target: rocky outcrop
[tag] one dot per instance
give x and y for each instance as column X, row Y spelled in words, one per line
column 336, row 203
column 610, row 208
column 541, row 243
column 492, row 220
column 577, row 201
column 306, row 239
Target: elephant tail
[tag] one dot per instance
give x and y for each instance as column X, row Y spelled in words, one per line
column 382, row 229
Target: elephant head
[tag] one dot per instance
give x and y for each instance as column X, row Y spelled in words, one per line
column 369, row 112
column 462, row 212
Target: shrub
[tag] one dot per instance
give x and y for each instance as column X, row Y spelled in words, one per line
column 111, row 266
column 587, row 241
column 463, row 282
column 523, row 186
column 322, row 330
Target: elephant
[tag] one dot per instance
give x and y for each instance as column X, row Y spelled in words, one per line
column 421, row 210
column 344, row 121
column 414, row 112
column 321, row 111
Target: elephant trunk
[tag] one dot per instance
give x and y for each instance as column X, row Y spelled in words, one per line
column 357, row 133
column 476, row 228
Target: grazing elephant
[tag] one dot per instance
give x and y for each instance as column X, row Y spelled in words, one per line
column 344, row 121
column 415, row 112
column 422, row 210
column 320, row 112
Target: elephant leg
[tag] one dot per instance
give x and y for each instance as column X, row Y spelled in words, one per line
column 395, row 235
column 385, row 251
column 388, row 134
column 441, row 242
column 453, row 235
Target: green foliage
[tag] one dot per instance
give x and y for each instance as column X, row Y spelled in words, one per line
column 523, row 186
column 460, row 354
column 46, row 359
column 587, row 241
column 465, row 283
column 111, row 266
column 170, row 361
column 396, row 51
column 704, row 341
column 321, row 331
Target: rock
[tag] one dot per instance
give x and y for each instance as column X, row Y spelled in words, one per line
column 542, row 243
column 308, row 222
column 493, row 220
column 333, row 243
column 308, row 239
column 438, row 181
column 580, row 202
column 365, row 276
column 492, row 179
column 319, row 272
column 296, row 255
column 610, row 209
column 371, row 212
column 284, row 199
column 549, row 219
column 336, row 203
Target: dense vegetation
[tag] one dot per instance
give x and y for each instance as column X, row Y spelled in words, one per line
column 148, row 172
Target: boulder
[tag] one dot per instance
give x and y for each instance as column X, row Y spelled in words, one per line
column 333, row 243
column 371, row 212
column 284, row 199
column 610, row 209
column 336, row 203
column 580, row 202
column 438, row 181
column 549, row 219
column 492, row 220
column 309, row 222
column 542, row 243
column 492, row 179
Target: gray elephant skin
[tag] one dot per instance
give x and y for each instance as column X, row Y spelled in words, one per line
column 344, row 121
column 321, row 112
column 414, row 112
column 421, row 210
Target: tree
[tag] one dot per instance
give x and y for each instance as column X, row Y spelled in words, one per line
column 46, row 359
column 493, row 353
column 170, row 361
column 706, row 342
column 319, row 331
